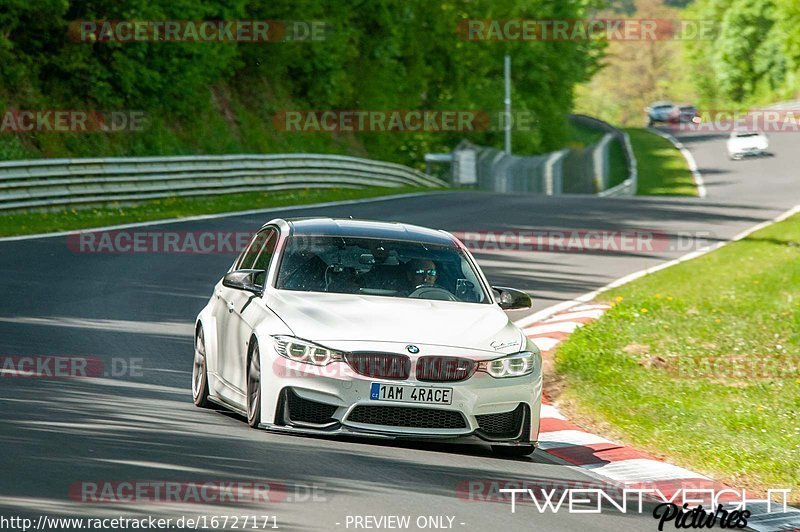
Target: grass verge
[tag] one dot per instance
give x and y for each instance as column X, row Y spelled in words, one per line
column 700, row 363
column 662, row 168
column 45, row 221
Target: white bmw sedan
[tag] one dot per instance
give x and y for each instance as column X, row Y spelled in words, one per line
column 743, row 144
column 378, row 329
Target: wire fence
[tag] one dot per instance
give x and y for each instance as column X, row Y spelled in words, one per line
column 571, row 171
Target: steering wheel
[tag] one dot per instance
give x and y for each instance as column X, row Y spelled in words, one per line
column 426, row 291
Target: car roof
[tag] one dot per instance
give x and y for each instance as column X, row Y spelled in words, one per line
column 661, row 104
column 368, row 229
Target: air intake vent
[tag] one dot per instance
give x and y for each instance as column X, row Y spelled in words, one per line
column 504, row 424
column 444, row 369
column 380, row 365
column 308, row 411
column 395, row 416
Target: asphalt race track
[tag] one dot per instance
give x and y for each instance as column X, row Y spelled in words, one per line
column 139, row 308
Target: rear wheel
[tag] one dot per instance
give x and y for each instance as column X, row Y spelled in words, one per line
column 516, row 451
column 199, row 371
column 254, row 387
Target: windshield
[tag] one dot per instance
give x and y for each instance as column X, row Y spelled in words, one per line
column 369, row 266
column 743, row 135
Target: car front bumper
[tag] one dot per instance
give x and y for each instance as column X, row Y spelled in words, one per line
column 482, row 408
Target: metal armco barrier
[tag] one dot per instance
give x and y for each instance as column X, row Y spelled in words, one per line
column 627, row 187
column 56, row 182
column 567, row 171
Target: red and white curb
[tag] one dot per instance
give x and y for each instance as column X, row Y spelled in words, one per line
column 613, row 462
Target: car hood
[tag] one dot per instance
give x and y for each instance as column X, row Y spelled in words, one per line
column 744, row 143
column 322, row 317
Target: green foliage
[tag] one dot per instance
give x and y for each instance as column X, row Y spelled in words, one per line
column 209, row 97
column 755, row 54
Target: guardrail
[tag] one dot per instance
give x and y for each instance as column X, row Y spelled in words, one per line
column 56, row 182
column 627, row 187
column 567, row 171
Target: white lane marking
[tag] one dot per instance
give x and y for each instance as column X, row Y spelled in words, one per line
column 642, row 470
column 212, row 216
column 550, row 412
column 530, row 319
column 696, row 176
column 569, row 438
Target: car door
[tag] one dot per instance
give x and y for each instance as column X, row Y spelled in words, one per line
column 245, row 310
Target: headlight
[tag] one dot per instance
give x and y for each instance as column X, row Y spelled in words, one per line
column 305, row 351
column 515, row 365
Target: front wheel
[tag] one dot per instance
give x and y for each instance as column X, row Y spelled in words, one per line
column 200, row 371
column 516, row 451
column 254, row 387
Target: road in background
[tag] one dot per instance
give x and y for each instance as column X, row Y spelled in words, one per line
column 140, row 307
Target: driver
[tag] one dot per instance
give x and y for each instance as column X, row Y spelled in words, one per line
column 421, row 272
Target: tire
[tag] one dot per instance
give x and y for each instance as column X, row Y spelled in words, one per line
column 254, row 386
column 517, row 451
column 200, row 371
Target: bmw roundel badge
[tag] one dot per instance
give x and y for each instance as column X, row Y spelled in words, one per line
column 412, row 349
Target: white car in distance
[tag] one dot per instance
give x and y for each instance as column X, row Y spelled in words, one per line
column 388, row 330
column 743, row 144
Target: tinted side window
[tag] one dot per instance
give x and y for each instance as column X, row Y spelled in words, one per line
column 265, row 255
column 248, row 257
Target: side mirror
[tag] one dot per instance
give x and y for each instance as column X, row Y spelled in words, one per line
column 511, row 298
column 244, row 280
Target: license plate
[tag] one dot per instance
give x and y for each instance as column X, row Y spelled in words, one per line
column 429, row 395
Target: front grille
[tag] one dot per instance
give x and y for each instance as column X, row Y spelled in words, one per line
column 396, row 416
column 504, row 424
column 380, row 365
column 444, row 369
column 308, row 411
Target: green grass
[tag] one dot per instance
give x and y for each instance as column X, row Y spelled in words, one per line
column 700, row 362
column 44, row 221
column 662, row 168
